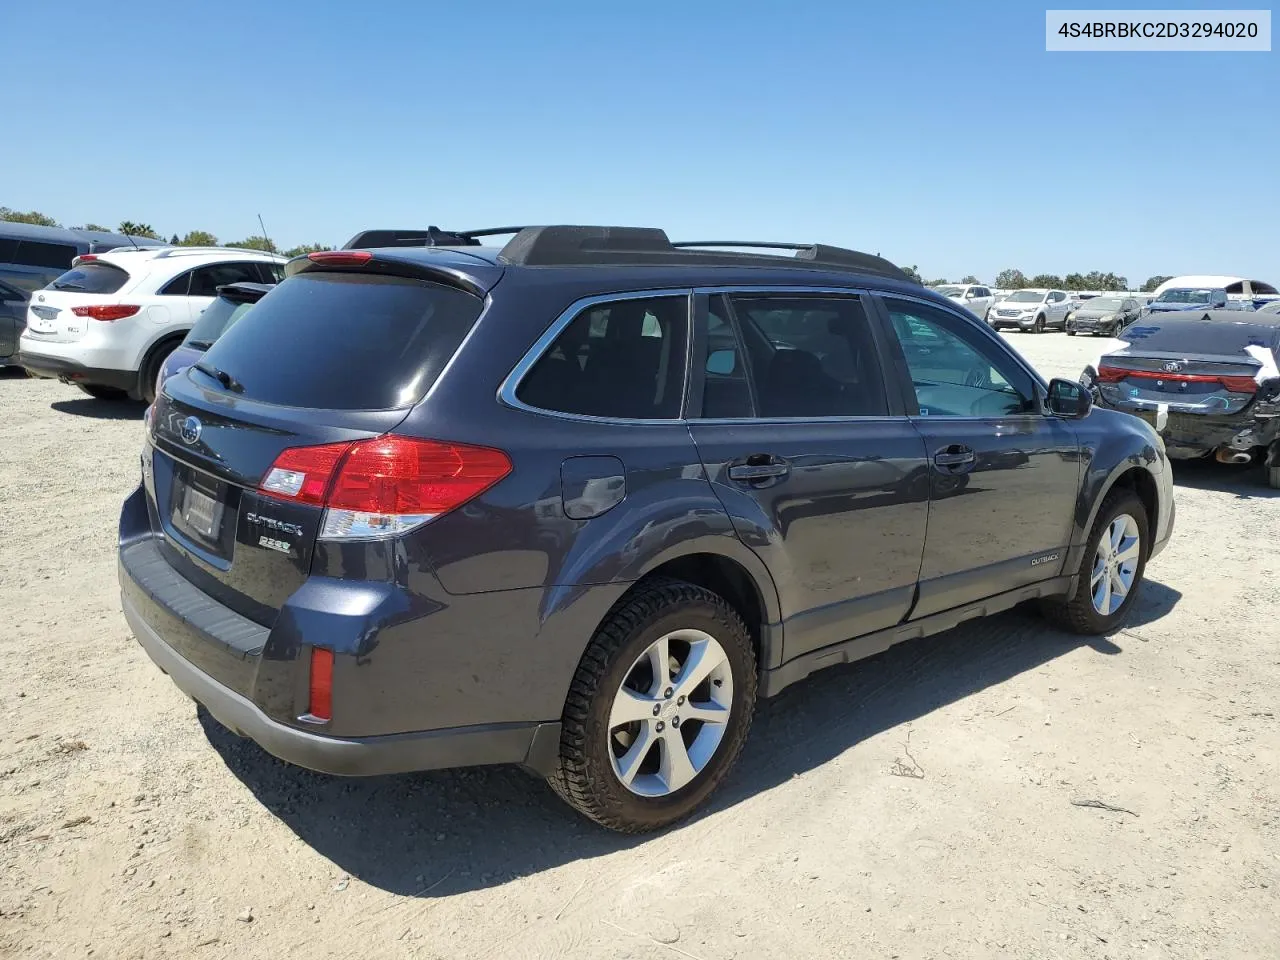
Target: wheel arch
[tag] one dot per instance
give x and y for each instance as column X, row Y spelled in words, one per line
column 1125, row 476
column 168, row 339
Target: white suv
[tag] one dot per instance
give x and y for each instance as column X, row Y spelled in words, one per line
column 974, row 297
column 109, row 322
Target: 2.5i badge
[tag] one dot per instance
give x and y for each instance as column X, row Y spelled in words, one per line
column 271, row 544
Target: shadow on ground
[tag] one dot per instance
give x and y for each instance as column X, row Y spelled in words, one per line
column 443, row 833
column 101, row 409
column 1245, row 483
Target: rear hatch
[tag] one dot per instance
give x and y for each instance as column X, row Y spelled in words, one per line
column 329, row 357
column 1197, row 366
column 62, row 311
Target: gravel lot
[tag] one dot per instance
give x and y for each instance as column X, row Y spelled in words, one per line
column 927, row 803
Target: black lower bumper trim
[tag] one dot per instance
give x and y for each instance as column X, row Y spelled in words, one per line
column 59, row 368
column 526, row 744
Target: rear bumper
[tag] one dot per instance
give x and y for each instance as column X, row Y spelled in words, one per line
column 531, row 745
column 72, row 371
column 1188, row 436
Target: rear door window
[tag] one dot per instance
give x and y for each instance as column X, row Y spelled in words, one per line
column 346, row 341
column 205, row 281
column 810, row 356
column 624, row 359
column 91, row 277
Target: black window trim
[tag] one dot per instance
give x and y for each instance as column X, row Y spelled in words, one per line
column 507, row 391
column 903, row 377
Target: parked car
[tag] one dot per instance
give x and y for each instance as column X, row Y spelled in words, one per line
column 32, row 256
column 1031, row 309
column 1209, row 383
column 975, row 298
column 1272, row 306
column 1103, row 315
column 1212, row 292
column 232, row 302
column 13, row 318
column 495, row 509
column 109, row 322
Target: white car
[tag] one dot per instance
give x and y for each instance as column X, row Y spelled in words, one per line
column 974, row 297
column 1032, row 309
column 109, row 322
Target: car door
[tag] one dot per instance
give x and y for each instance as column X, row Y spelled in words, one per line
column 1130, row 310
column 13, row 311
column 1005, row 475
column 1056, row 312
column 986, row 300
column 816, row 463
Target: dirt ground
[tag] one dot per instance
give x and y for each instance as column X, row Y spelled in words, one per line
column 998, row 791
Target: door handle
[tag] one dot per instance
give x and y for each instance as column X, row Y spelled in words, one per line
column 750, row 472
column 954, row 457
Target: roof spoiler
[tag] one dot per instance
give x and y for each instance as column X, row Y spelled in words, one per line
column 430, row 237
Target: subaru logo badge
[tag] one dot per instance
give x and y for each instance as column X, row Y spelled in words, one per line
column 1173, row 366
column 189, row 430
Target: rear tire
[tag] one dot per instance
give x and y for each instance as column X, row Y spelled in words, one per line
column 1105, row 567
column 625, row 761
column 99, row 392
column 1071, row 333
column 151, row 370
column 1273, row 477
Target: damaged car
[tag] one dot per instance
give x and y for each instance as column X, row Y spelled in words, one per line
column 1209, row 384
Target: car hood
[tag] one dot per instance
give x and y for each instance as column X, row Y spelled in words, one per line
column 1092, row 313
column 1009, row 305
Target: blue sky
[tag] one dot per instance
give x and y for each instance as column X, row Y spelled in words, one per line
column 940, row 134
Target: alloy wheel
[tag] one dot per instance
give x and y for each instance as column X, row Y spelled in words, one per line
column 1115, row 564
column 670, row 713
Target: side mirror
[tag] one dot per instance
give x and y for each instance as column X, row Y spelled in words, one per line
column 722, row 363
column 1069, row 399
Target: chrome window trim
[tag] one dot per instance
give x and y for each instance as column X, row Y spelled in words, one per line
column 507, row 391
column 986, row 331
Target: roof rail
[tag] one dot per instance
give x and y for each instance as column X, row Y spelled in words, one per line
column 186, row 251
column 570, row 245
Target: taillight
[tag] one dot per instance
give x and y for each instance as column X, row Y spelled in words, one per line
column 321, row 691
column 1110, row 374
column 1240, row 384
column 385, row 486
column 84, row 258
column 302, row 474
column 107, row 311
column 341, row 258
column 1232, row 384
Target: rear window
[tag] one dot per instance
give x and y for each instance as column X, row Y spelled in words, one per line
column 215, row 320
column 1223, row 337
column 346, row 341
column 91, row 278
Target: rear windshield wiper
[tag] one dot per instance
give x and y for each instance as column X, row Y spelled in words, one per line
column 68, row 286
column 199, row 344
column 224, row 378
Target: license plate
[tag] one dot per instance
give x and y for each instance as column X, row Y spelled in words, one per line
column 201, row 513
column 41, row 325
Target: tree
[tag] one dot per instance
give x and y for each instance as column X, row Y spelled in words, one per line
column 31, row 216
column 1153, row 282
column 174, row 241
column 913, row 273
column 971, row 279
column 936, row 283
column 1045, row 280
column 131, row 229
column 306, row 248
column 198, row 238
column 255, row 243
column 1011, row 279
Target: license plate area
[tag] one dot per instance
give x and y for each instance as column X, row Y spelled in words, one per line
column 203, row 509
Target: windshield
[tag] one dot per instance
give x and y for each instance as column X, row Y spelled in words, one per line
column 1272, row 307
column 951, row 291
column 1191, row 295
column 1026, row 296
column 1104, row 303
column 216, row 320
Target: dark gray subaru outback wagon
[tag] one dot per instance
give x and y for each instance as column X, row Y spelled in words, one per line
column 575, row 503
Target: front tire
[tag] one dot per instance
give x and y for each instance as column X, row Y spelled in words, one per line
column 1039, row 324
column 1111, row 570
column 658, row 709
